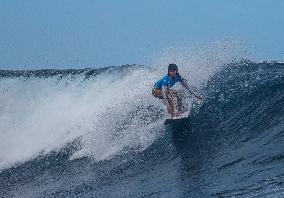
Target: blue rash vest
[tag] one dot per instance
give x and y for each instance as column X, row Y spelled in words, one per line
column 167, row 81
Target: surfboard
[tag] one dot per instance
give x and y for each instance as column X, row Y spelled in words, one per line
column 175, row 120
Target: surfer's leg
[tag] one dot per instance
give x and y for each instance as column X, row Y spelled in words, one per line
column 158, row 94
column 171, row 110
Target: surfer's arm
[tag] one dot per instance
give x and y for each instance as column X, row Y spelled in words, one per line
column 186, row 86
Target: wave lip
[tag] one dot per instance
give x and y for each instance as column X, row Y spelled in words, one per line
column 46, row 73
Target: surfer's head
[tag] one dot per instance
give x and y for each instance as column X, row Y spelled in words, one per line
column 172, row 70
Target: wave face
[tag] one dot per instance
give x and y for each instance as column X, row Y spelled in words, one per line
column 100, row 133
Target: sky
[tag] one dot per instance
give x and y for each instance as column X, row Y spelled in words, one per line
column 37, row 34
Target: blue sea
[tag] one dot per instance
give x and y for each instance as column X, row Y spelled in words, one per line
column 100, row 133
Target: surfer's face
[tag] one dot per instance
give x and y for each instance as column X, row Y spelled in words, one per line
column 172, row 73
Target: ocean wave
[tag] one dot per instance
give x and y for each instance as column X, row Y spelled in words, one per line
column 231, row 145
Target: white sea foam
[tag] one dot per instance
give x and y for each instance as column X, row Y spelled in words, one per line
column 41, row 115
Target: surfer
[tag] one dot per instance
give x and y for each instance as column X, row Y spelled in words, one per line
column 162, row 90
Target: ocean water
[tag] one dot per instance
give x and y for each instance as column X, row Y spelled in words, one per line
column 100, row 133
